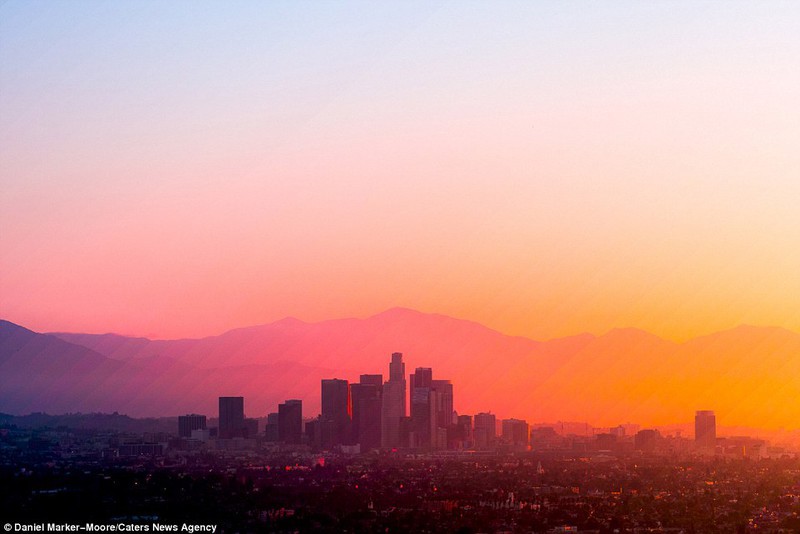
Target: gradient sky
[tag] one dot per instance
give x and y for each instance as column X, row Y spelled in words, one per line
column 177, row 168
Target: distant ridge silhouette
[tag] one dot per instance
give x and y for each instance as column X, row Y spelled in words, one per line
column 747, row 374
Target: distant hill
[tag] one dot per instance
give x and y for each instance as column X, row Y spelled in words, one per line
column 43, row 373
column 749, row 375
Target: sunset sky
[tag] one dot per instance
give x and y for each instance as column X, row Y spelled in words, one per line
column 173, row 169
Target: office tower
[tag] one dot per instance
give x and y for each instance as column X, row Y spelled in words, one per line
column 271, row 430
column 422, row 419
column 441, row 400
column 443, row 407
column 366, row 399
column 231, row 417
column 290, row 422
column 464, row 431
column 393, row 404
column 312, row 433
column 515, row 433
column 336, row 412
column 484, row 430
column 705, row 431
column 422, row 378
column 250, row 427
column 187, row 423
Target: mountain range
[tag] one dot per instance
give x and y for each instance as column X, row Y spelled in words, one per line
column 749, row 375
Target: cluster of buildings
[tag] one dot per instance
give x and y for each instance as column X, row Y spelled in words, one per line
column 397, row 413
column 416, row 412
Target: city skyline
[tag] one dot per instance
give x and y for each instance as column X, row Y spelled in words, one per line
column 362, row 415
column 599, row 196
column 400, row 266
column 625, row 375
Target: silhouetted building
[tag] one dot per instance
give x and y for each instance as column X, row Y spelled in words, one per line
column 313, row 433
column 336, row 412
column 441, row 413
column 271, row 430
column 422, row 419
column 646, row 440
column 484, row 430
column 290, row 421
column 545, row 438
column 366, row 398
column 187, row 423
column 250, row 428
column 231, row 417
column 463, row 432
column 393, row 404
column 515, row 433
column 705, row 431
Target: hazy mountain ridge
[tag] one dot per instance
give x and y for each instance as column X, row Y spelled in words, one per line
column 626, row 375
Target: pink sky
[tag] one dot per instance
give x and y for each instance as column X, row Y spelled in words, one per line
column 543, row 169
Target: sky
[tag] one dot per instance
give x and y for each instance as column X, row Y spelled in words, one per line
column 177, row 169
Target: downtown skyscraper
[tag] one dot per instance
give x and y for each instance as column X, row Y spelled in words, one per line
column 231, row 417
column 290, row 421
column 431, row 410
column 366, row 397
column 393, row 408
column 337, row 412
column 705, row 431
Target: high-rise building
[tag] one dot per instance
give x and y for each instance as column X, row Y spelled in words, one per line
column 431, row 409
column 422, row 378
column 271, row 430
column 336, row 412
column 705, row 431
column 441, row 400
column 231, row 417
column 366, row 397
column 290, row 421
column 515, row 433
column 484, row 430
column 187, row 423
column 422, row 418
column 393, row 403
column 463, row 432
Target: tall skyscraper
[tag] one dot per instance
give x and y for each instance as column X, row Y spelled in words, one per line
column 231, row 417
column 422, row 418
column 336, row 412
column 441, row 400
column 422, row 378
column 393, row 404
column 366, row 400
column 705, row 431
column 431, row 409
column 187, row 423
column 290, row 421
